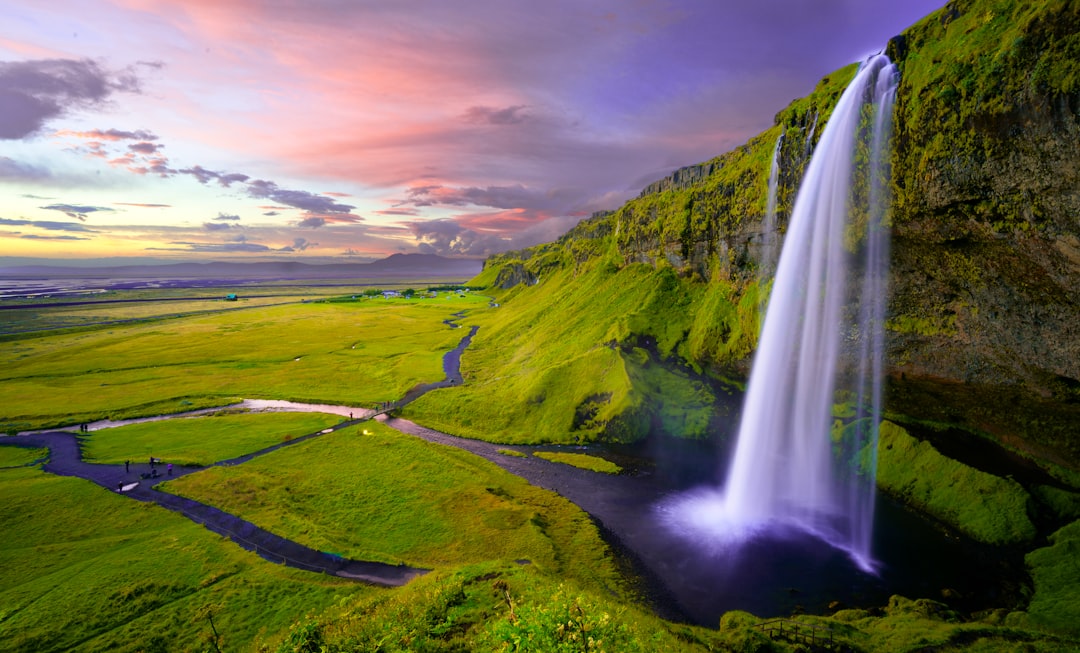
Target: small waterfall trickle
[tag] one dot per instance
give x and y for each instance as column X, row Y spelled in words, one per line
column 789, row 469
column 769, row 235
column 808, row 144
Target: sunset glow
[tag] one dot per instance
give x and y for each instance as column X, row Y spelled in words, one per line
column 351, row 131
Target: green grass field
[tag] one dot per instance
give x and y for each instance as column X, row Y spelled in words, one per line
column 355, row 353
column 395, row 498
column 19, row 456
column 83, row 569
column 582, row 460
column 200, row 440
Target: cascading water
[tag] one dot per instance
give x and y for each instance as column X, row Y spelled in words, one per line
column 769, row 236
column 789, row 469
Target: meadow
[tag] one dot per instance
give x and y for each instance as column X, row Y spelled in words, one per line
column 86, row 569
column 372, row 493
column 514, row 567
column 200, row 440
column 351, row 353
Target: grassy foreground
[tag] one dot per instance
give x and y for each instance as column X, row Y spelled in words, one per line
column 82, row 568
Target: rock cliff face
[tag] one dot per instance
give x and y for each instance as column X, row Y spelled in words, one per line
column 984, row 312
column 985, row 305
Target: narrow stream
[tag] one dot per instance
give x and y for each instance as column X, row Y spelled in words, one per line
column 684, row 581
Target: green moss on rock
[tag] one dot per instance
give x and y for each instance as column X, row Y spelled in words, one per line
column 987, row 508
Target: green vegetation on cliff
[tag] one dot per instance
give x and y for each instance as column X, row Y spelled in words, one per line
column 1055, row 605
column 611, row 375
column 985, row 507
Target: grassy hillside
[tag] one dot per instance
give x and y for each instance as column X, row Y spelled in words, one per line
column 615, row 371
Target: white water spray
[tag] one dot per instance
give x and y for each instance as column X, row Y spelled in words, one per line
column 787, row 470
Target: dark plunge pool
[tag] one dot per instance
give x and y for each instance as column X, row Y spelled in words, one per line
column 780, row 573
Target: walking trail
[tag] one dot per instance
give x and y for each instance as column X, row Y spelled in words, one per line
column 137, row 480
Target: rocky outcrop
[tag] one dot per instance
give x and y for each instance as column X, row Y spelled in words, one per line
column 986, row 265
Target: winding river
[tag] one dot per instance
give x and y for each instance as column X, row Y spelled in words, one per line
column 682, row 580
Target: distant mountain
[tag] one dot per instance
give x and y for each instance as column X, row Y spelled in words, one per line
column 396, row 265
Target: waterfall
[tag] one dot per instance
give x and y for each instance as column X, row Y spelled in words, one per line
column 789, row 469
column 769, row 236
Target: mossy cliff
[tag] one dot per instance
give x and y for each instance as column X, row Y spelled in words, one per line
column 984, row 307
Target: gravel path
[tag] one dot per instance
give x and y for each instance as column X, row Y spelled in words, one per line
column 65, row 459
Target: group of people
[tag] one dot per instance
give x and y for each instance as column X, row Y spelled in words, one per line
column 153, row 473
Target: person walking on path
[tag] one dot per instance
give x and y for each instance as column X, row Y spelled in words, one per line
column 169, row 468
column 127, row 464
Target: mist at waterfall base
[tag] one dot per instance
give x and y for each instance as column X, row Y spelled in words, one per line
column 791, row 478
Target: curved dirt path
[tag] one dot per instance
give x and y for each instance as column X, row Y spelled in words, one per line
column 65, row 459
column 136, row 480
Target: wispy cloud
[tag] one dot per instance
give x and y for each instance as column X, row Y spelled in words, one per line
column 489, row 115
column 34, row 92
column 13, row 170
column 299, row 245
column 48, row 225
column 77, row 211
column 143, row 205
column 213, row 248
column 39, row 237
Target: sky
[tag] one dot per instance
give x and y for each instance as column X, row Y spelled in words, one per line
column 349, row 130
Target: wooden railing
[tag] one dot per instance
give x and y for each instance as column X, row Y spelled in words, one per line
column 799, row 632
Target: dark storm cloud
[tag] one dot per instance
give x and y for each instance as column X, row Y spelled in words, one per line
column 35, row 92
column 76, row 211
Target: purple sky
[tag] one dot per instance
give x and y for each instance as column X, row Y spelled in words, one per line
column 328, row 129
